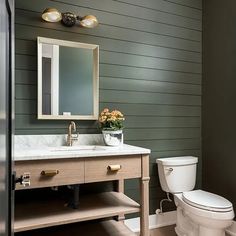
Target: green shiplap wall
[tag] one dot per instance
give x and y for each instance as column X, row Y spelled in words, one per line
column 150, row 69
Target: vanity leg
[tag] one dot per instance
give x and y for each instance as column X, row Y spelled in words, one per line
column 144, row 187
column 120, row 189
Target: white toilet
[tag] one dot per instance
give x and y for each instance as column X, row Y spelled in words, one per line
column 199, row 213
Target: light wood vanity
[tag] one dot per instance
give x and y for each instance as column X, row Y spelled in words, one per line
column 73, row 169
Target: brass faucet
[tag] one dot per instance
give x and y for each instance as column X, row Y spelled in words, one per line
column 71, row 137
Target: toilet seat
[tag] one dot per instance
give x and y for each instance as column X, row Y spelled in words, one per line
column 198, row 211
column 207, row 201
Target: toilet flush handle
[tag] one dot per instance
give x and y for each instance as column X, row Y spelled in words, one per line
column 169, row 169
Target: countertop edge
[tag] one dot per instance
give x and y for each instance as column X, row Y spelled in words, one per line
column 128, row 150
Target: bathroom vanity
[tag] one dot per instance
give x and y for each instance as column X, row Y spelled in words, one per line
column 49, row 166
column 68, row 85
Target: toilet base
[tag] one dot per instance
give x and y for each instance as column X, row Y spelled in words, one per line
column 184, row 226
column 190, row 224
column 203, row 231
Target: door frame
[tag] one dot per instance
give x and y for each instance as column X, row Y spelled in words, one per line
column 10, row 5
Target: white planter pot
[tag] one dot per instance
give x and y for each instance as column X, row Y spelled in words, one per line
column 113, row 138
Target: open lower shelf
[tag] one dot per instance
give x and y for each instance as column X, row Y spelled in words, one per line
column 103, row 228
column 35, row 215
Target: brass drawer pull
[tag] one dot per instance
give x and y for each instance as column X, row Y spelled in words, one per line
column 114, row 167
column 49, row 173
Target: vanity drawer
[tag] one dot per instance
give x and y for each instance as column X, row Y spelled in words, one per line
column 55, row 172
column 101, row 168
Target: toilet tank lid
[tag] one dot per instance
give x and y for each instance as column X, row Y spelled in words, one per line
column 177, row 161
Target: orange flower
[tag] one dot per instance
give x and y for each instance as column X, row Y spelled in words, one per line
column 102, row 119
column 105, row 110
column 111, row 119
column 116, row 113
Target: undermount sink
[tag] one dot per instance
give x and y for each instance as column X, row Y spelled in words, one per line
column 78, row 148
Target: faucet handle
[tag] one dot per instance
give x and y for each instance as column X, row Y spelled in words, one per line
column 75, row 136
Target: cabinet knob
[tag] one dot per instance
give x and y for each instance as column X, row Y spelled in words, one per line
column 49, row 173
column 114, row 167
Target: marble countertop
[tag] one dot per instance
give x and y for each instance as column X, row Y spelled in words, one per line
column 41, row 147
column 76, row 152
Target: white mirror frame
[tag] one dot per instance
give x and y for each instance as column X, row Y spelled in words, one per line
column 95, row 48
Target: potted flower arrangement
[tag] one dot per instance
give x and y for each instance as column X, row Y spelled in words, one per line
column 111, row 123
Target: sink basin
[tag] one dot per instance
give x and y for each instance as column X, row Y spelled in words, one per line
column 78, row 148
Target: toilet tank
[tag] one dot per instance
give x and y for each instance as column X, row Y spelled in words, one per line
column 177, row 174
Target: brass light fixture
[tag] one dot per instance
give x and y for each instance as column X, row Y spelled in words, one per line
column 89, row 21
column 68, row 18
column 51, row 15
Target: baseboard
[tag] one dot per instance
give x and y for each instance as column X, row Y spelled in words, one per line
column 231, row 231
column 165, row 219
column 155, row 221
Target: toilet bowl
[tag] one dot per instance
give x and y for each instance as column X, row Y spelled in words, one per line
column 199, row 213
column 205, row 219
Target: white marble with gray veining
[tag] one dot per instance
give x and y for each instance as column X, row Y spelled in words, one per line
column 38, row 141
column 36, row 147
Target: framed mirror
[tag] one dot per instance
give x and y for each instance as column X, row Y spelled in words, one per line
column 68, row 80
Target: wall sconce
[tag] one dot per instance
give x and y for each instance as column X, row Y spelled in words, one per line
column 69, row 19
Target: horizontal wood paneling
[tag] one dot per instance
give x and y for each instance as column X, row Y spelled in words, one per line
column 149, row 98
column 167, row 6
column 169, row 144
column 28, row 106
column 129, row 73
column 135, row 24
column 148, row 86
column 118, row 33
column 24, row 77
column 123, row 96
column 162, row 133
column 149, row 74
column 150, row 69
column 155, row 110
column 188, row 3
column 113, row 58
column 116, row 7
column 28, row 47
column 29, row 121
